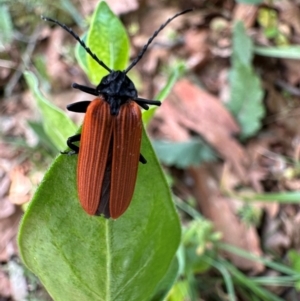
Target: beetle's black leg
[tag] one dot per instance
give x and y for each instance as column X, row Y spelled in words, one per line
column 85, row 89
column 147, row 101
column 79, row 107
column 74, row 148
column 142, row 102
column 143, row 105
column 142, row 159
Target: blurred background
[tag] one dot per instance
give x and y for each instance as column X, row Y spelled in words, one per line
column 227, row 134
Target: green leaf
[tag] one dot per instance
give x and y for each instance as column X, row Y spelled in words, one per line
column 39, row 62
column 56, row 123
column 81, row 55
column 108, row 39
column 183, row 154
column 246, row 94
column 180, row 291
column 244, row 282
column 267, row 18
column 167, row 282
column 242, row 45
column 81, row 257
column 246, row 99
column 284, row 52
column 38, row 128
column 294, row 258
column 6, row 27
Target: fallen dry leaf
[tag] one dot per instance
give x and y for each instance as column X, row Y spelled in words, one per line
column 160, row 128
column 202, row 113
column 221, row 211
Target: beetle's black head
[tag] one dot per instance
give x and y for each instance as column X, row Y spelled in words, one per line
column 117, row 89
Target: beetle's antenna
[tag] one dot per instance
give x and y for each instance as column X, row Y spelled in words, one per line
column 81, row 42
column 142, row 52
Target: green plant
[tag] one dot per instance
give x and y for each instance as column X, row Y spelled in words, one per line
column 204, row 272
column 246, row 94
column 81, row 257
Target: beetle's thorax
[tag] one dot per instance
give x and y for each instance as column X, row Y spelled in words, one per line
column 117, row 89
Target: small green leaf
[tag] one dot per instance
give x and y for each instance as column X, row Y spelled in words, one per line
column 81, row 55
column 38, row 128
column 246, row 99
column 183, row 154
column 181, row 291
column 39, row 62
column 246, row 93
column 82, row 257
column 268, row 20
column 108, row 39
column 242, row 45
column 56, row 123
column 6, row 27
column 294, row 258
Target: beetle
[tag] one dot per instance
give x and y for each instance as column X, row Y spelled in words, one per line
column 110, row 139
